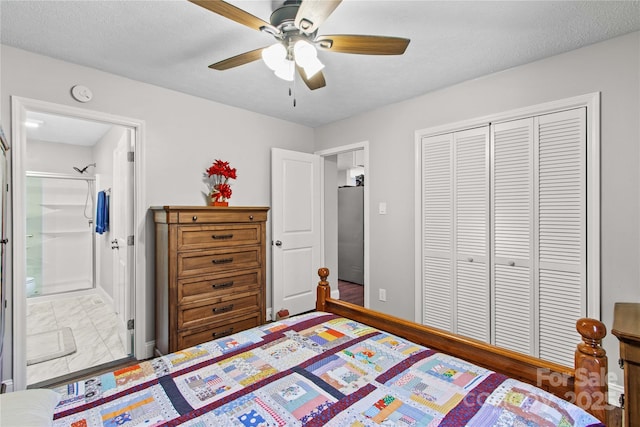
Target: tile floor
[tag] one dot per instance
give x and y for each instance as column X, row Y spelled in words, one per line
column 95, row 330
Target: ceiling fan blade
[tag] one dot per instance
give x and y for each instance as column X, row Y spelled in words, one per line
column 364, row 45
column 312, row 13
column 236, row 61
column 315, row 82
column 231, row 12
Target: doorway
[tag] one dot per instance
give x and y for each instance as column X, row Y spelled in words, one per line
column 322, row 223
column 346, row 220
column 74, row 311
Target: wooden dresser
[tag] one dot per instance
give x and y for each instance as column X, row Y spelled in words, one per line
column 626, row 326
column 210, row 273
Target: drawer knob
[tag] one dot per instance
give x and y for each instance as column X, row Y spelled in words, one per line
column 222, row 285
column 222, row 236
column 250, row 217
column 194, row 218
column 222, row 333
column 222, row 261
column 223, row 309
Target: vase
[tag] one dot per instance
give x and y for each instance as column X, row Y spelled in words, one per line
column 219, row 204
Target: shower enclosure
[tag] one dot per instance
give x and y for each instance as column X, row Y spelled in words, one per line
column 60, row 233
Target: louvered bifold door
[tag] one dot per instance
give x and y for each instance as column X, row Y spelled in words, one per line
column 471, row 229
column 437, row 231
column 512, row 225
column 562, row 231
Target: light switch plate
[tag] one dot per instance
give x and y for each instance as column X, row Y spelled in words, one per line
column 382, row 208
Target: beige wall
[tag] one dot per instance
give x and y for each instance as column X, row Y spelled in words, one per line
column 611, row 67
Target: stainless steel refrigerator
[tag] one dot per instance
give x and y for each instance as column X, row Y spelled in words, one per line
column 351, row 234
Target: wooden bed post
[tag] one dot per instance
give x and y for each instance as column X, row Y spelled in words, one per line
column 323, row 290
column 590, row 384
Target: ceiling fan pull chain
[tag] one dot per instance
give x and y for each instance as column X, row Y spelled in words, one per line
column 293, row 92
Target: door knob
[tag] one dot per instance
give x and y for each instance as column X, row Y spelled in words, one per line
column 278, row 243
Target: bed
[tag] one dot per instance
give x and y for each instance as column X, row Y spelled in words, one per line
column 343, row 365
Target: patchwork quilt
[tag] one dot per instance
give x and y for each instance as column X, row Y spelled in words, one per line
column 313, row 370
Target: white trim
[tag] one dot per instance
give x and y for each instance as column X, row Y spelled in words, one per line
column 592, row 102
column 615, row 391
column 149, row 348
column 9, row 384
column 419, row 228
column 19, row 108
column 364, row 145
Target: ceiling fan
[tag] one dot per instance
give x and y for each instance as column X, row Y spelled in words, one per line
column 294, row 25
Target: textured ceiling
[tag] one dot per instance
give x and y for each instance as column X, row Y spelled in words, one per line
column 171, row 43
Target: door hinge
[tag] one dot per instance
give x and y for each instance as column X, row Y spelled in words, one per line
column 130, row 324
column 130, row 156
column 130, row 240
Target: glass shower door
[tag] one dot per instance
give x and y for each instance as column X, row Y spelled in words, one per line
column 60, row 240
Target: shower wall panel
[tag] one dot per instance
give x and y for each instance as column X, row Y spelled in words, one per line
column 60, row 235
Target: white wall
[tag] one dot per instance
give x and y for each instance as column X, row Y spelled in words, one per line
column 611, row 67
column 184, row 135
column 54, row 157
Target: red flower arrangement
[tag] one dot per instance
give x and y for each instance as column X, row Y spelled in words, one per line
column 217, row 177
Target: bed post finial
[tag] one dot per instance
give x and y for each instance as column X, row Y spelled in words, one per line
column 591, row 368
column 323, row 290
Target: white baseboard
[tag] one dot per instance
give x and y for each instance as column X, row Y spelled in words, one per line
column 335, row 294
column 9, row 384
column 615, row 391
column 104, row 295
column 149, row 347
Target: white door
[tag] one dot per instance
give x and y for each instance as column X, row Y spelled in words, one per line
column 121, row 227
column 295, row 200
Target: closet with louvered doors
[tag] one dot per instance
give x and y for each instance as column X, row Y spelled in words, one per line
column 456, row 232
column 504, row 232
column 538, row 203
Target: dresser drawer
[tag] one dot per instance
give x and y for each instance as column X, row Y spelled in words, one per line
column 218, row 309
column 231, row 215
column 190, row 338
column 205, row 287
column 215, row 236
column 219, row 261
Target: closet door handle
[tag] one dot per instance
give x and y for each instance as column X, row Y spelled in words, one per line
column 222, row 333
column 222, row 285
column 222, row 236
column 223, row 309
column 511, row 263
column 222, row 261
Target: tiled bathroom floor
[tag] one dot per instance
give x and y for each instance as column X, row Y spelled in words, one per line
column 95, row 330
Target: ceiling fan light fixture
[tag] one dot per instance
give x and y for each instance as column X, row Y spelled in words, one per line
column 304, row 52
column 313, row 67
column 306, row 56
column 286, row 70
column 274, row 56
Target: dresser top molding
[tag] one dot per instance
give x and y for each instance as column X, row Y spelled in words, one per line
column 626, row 323
column 200, row 214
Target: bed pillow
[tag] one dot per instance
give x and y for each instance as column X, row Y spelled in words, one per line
column 28, row 408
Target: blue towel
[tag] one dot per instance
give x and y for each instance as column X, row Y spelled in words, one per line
column 102, row 213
